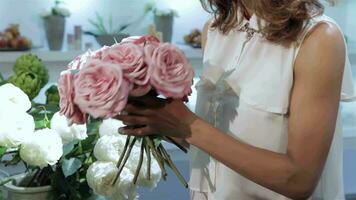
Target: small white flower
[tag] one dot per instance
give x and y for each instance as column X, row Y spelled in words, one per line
column 59, row 123
column 156, row 174
column 44, row 148
column 61, row 11
column 110, row 127
column 108, row 148
column 101, row 175
column 13, row 99
column 15, row 128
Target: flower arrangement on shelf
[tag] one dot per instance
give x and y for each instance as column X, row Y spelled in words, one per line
column 57, row 10
column 152, row 7
column 99, row 84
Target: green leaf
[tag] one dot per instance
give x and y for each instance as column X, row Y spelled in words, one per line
column 69, row 167
column 16, row 159
column 40, row 124
column 68, row 148
column 2, row 151
column 1, row 78
column 89, row 142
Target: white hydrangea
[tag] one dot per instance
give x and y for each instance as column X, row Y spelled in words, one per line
column 100, row 176
column 15, row 128
column 109, row 147
column 110, row 127
column 44, row 148
column 60, row 124
column 13, row 99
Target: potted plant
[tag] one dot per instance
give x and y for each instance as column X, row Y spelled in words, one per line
column 54, row 23
column 106, row 34
column 163, row 20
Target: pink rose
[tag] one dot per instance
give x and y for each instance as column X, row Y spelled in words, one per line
column 172, row 75
column 101, row 89
column 131, row 59
column 142, row 40
column 140, row 90
column 80, row 61
column 67, row 93
column 98, row 54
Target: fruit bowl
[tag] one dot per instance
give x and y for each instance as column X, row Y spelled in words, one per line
column 12, row 40
column 14, row 49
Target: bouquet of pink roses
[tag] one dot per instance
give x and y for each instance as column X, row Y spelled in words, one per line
column 98, row 84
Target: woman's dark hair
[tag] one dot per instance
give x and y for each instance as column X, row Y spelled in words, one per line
column 285, row 18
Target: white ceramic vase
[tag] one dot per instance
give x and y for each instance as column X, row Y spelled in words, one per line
column 14, row 192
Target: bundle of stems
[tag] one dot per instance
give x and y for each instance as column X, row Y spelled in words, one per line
column 148, row 147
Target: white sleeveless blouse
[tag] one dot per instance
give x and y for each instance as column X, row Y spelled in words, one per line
column 245, row 90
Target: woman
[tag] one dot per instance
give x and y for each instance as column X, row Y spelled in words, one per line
column 268, row 100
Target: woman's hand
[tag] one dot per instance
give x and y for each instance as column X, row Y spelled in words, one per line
column 151, row 115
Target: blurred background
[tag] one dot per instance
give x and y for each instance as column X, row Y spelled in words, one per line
column 58, row 31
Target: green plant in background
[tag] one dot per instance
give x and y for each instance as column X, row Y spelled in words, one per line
column 52, row 95
column 28, row 82
column 101, row 28
column 31, row 75
column 31, row 63
column 57, row 10
column 1, row 78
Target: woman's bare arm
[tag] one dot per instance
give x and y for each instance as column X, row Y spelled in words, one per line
column 313, row 113
column 204, row 38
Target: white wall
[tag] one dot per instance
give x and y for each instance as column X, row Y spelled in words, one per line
column 26, row 13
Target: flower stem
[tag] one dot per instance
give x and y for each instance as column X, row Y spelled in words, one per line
column 139, row 163
column 148, row 154
column 125, row 160
column 128, row 138
column 156, row 155
column 172, row 165
column 34, row 178
column 177, row 144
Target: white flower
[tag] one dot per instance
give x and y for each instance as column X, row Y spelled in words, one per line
column 108, row 148
column 15, row 128
column 13, row 99
column 101, row 175
column 61, row 11
column 44, row 148
column 59, row 123
column 156, row 174
column 110, row 127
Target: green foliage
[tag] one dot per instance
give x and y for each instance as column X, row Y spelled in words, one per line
column 2, row 151
column 69, row 179
column 52, row 95
column 70, row 166
column 30, row 63
column 1, row 77
column 28, row 82
column 100, row 27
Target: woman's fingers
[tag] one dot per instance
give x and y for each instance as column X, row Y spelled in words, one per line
column 133, row 119
column 142, row 131
column 136, row 110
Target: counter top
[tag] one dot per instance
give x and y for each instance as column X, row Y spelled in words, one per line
column 66, row 56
